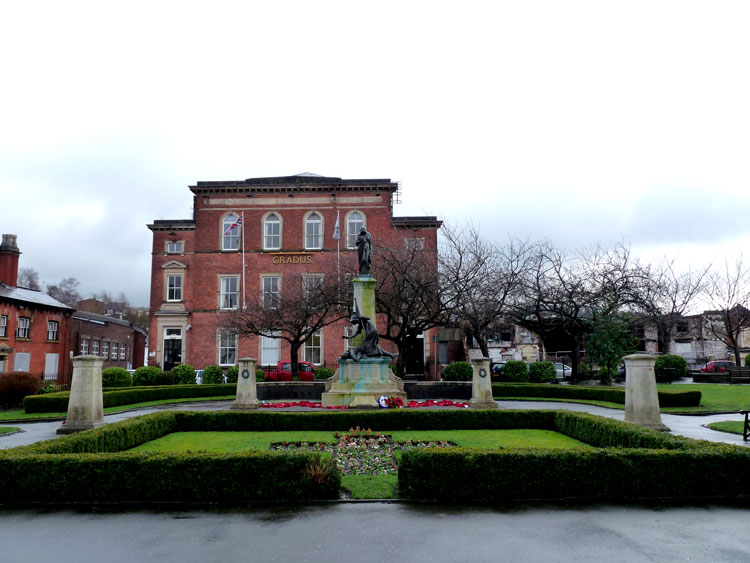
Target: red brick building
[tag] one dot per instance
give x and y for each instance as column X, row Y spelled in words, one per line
column 34, row 327
column 289, row 223
column 118, row 342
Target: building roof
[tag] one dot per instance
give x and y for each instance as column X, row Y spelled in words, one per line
column 416, row 222
column 32, row 296
column 305, row 182
column 172, row 225
column 99, row 319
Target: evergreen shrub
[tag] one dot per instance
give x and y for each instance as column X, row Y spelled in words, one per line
column 260, row 375
column 458, row 371
column 678, row 363
column 323, row 373
column 517, row 371
column 164, row 378
column 541, row 372
column 116, row 377
column 233, row 374
column 146, row 375
column 213, row 375
column 747, row 360
column 184, row 374
column 15, row 385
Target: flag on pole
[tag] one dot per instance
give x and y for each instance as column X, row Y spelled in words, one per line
column 237, row 223
column 336, row 229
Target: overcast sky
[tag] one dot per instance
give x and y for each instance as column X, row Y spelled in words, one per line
column 573, row 121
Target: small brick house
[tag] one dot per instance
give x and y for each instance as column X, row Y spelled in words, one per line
column 34, row 327
column 199, row 267
column 118, row 342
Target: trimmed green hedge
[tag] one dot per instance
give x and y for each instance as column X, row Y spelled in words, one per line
column 58, row 402
column 610, row 394
column 516, row 370
column 539, row 372
column 458, row 371
column 116, row 377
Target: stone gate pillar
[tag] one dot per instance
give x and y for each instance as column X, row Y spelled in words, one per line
column 641, row 398
column 481, row 385
column 247, row 396
column 85, row 406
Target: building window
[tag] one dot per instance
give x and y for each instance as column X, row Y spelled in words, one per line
column 24, row 327
column 84, row 346
column 230, row 232
column 313, row 232
column 414, row 243
column 115, row 348
column 174, row 287
column 122, row 352
column 313, row 347
column 105, row 349
column 311, row 284
column 272, row 232
column 4, row 325
column 270, row 351
column 354, row 222
column 227, row 348
column 271, row 291
column 52, row 330
column 94, row 347
column 174, row 247
column 228, row 292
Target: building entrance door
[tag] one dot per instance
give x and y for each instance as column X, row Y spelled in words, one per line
column 172, row 348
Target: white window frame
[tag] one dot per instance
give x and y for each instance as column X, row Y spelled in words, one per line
column 270, row 351
column 24, row 328
column 115, row 350
column 174, row 292
column 3, row 326
column 94, row 347
column 353, row 227
column 271, row 239
column 175, row 246
column 123, row 350
column 226, row 293
column 227, row 341
column 84, row 346
column 308, row 350
column 230, row 242
column 52, row 329
column 414, row 243
column 266, row 293
column 314, row 231
column 308, row 280
column 105, row 349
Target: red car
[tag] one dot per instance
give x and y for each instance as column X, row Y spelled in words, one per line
column 717, row 366
column 283, row 372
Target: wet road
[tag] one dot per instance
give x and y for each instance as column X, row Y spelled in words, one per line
column 376, row 532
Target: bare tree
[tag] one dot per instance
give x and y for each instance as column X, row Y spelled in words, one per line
column 66, row 292
column 728, row 292
column 408, row 294
column 481, row 280
column 28, row 277
column 305, row 304
column 666, row 296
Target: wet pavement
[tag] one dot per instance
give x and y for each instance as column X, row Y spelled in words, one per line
column 375, row 532
column 691, row 426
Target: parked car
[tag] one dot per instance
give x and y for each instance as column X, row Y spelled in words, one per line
column 563, row 371
column 283, row 372
column 498, row 368
column 717, row 366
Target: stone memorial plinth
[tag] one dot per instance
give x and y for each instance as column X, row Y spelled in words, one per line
column 247, row 393
column 85, row 406
column 481, row 385
column 641, row 398
column 361, row 383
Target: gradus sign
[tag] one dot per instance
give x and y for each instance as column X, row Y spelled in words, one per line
column 292, row 258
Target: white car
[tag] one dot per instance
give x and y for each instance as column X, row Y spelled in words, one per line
column 563, row 371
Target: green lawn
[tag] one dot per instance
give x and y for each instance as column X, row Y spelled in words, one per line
column 6, row 429
column 370, row 486
column 731, row 426
column 239, row 441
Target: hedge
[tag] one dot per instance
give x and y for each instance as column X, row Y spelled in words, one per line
column 458, row 371
column 116, row 377
column 631, row 462
column 609, row 394
column 58, row 402
column 671, row 361
column 539, row 372
column 516, row 370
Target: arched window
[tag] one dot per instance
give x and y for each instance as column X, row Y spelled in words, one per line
column 272, row 232
column 354, row 222
column 230, row 232
column 313, row 232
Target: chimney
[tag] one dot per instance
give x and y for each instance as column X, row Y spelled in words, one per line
column 9, row 254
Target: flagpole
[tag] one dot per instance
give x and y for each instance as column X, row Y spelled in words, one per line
column 243, row 260
column 338, row 248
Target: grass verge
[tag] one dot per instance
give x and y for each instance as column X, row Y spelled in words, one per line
column 731, row 426
column 6, row 429
column 370, row 486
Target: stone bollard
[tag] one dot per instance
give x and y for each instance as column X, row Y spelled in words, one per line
column 641, row 398
column 85, row 406
column 247, row 395
column 481, row 386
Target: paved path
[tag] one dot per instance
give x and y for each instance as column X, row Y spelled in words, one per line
column 691, row 426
